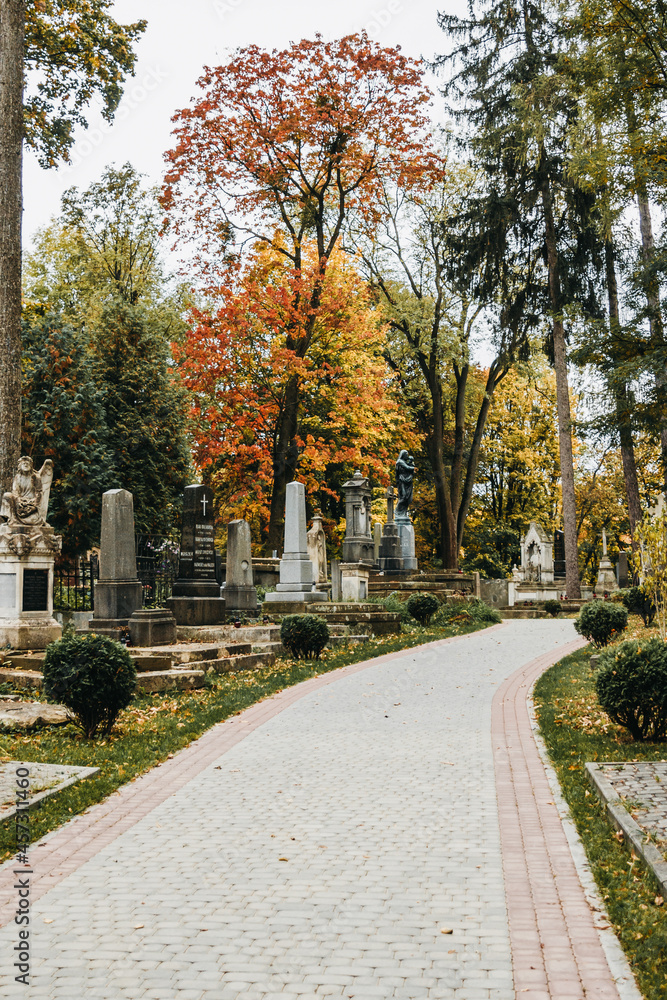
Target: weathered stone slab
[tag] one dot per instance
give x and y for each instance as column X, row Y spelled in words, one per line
column 45, row 780
column 30, row 715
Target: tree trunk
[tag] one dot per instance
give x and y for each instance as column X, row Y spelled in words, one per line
column 655, row 316
column 284, row 465
column 621, row 397
column 12, row 28
column 572, row 584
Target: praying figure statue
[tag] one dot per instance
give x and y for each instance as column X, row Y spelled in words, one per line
column 405, row 473
column 28, row 500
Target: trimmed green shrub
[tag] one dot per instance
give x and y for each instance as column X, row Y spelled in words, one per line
column 639, row 603
column 631, row 687
column 391, row 602
column 93, row 676
column 600, row 621
column 422, row 607
column 304, row 636
column 481, row 612
column 552, row 608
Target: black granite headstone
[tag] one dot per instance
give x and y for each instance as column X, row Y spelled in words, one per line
column 622, row 569
column 35, row 590
column 196, row 564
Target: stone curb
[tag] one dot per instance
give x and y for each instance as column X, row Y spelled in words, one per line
column 622, row 820
column 616, row 957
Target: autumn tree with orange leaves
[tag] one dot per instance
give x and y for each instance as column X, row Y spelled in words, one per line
column 281, row 150
column 236, row 362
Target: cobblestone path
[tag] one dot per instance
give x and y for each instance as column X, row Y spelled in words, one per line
column 323, row 851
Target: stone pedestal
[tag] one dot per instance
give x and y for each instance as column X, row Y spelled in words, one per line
column 27, row 557
column 296, row 570
column 152, row 627
column 606, row 581
column 406, row 534
column 354, row 581
column 239, row 592
column 358, row 543
column 118, row 592
column 197, row 583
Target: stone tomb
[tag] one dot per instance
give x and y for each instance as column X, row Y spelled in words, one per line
column 118, row 592
column 196, row 594
column 239, row 591
column 27, row 555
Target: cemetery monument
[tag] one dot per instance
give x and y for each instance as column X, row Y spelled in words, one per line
column 28, row 547
column 239, row 591
column 296, row 570
column 195, row 596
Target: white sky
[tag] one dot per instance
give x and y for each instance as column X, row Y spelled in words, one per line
column 184, row 35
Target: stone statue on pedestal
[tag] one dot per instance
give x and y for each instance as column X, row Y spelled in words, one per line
column 405, row 474
column 28, row 501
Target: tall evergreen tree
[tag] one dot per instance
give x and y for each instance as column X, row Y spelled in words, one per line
column 505, row 84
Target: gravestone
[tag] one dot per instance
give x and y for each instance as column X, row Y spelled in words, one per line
column 358, row 542
column 28, row 546
column 391, row 549
column 317, row 549
column 118, row 591
column 537, row 561
column 239, row 591
column 377, row 541
column 606, row 581
column 296, row 570
column 622, row 572
column 195, row 596
column 336, row 589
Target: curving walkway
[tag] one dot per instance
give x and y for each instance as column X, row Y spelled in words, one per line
column 319, row 844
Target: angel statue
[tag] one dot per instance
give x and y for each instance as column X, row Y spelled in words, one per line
column 28, row 500
column 405, row 473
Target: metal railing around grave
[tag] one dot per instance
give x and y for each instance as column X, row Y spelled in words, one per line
column 74, row 584
column 157, row 567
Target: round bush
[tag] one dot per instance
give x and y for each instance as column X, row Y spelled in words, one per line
column 422, row 607
column 632, row 687
column 552, row 608
column 93, row 676
column 639, row 603
column 600, row 621
column 304, row 636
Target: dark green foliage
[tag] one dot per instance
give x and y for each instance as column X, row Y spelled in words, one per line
column 304, row 636
column 145, row 411
column 492, row 548
column 600, row 621
column 631, row 685
column 93, row 676
column 639, row 603
column 63, row 419
column 552, row 608
column 392, row 602
column 422, row 607
column 481, row 612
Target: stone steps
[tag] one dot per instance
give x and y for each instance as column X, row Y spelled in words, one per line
column 522, row 612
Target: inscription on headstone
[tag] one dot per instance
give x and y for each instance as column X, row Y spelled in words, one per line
column 35, row 590
column 197, row 558
column 7, row 590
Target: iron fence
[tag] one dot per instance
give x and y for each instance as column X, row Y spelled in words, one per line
column 74, row 584
column 157, row 567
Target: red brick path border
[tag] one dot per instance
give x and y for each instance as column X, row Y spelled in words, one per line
column 60, row 853
column 556, row 950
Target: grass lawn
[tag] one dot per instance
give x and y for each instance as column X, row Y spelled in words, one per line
column 157, row 725
column 576, row 730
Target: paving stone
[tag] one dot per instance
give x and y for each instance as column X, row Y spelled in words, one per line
column 379, row 790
